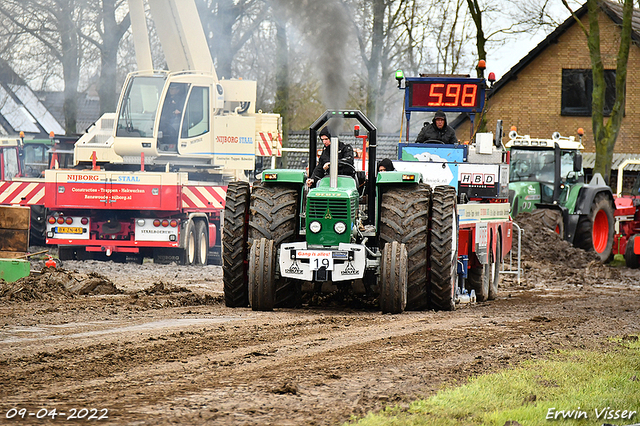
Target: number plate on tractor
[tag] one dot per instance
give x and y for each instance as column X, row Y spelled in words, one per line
column 317, row 259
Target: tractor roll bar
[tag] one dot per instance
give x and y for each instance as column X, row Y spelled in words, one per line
column 364, row 121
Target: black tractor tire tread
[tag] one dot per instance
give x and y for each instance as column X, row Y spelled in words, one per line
column 274, row 216
column 404, row 217
column 550, row 219
column 584, row 231
column 443, row 272
column 234, row 245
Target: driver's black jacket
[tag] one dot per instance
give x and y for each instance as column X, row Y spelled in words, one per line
column 431, row 132
column 345, row 153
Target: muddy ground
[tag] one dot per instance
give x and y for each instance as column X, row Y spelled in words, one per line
column 154, row 344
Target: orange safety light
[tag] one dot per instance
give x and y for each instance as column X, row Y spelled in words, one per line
column 514, row 129
column 482, row 64
column 581, row 131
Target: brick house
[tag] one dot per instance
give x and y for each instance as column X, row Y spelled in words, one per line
column 549, row 89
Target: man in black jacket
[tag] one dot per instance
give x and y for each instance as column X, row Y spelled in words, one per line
column 437, row 130
column 345, row 154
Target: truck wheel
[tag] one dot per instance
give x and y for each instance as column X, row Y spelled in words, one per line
column 202, row 243
column 476, row 281
column 404, row 217
column 444, row 248
column 234, row 245
column 550, row 219
column 494, row 275
column 274, row 216
column 393, row 278
column 262, row 269
column 630, row 258
column 189, row 251
column 595, row 232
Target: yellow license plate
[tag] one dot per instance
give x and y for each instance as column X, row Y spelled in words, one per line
column 68, row 230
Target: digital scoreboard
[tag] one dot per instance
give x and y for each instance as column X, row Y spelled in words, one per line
column 447, row 94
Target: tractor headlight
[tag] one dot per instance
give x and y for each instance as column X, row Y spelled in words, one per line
column 315, row 227
column 340, row 227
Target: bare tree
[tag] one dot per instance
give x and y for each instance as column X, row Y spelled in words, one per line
column 605, row 134
column 105, row 35
column 53, row 24
column 228, row 25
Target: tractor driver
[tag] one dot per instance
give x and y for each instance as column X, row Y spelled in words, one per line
column 345, row 154
column 437, row 130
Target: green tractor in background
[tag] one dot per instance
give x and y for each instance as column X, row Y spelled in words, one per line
column 388, row 240
column 546, row 178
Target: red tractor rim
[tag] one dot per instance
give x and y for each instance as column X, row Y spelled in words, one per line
column 600, row 231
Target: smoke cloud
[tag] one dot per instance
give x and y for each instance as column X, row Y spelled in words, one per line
column 325, row 26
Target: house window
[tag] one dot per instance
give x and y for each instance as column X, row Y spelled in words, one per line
column 577, row 88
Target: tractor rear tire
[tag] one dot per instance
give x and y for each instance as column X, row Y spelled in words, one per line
column 234, row 245
column 444, row 248
column 595, row 232
column 393, row 278
column 274, row 215
column 404, row 217
column 262, row 270
column 630, row 258
column 494, row 270
column 550, row 219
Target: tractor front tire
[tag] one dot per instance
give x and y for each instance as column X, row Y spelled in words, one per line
column 274, row 216
column 404, row 217
column 393, row 278
column 262, row 270
column 595, row 232
column 234, row 245
column 444, row 248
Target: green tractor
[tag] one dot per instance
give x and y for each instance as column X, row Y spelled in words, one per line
column 546, row 178
column 370, row 238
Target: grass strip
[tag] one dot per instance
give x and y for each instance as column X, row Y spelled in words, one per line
column 576, row 387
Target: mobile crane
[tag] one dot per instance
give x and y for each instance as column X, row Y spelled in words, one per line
column 150, row 180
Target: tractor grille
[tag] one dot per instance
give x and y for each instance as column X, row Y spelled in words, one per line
column 322, row 208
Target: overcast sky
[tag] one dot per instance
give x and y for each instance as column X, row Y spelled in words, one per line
column 504, row 58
